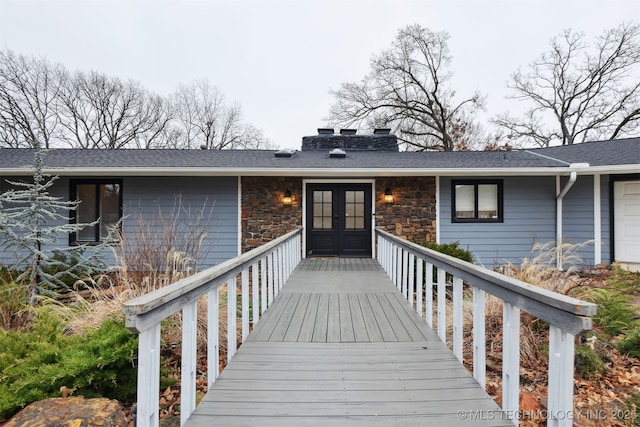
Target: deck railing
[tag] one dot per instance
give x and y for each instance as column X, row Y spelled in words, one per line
column 411, row 268
column 260, row 273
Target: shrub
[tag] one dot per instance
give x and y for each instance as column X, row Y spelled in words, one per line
column 615, row 314
column 618, row 314
column 630, row 343
column 36, row 363
column 588, row 361
column 451, row 249
column 68, row 267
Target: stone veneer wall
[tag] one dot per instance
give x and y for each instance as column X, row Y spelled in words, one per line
column 264, row 217
column 412, row 214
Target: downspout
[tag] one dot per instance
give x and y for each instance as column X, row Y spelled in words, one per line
column 573, row 176
column 559, row 197
column 597, row 221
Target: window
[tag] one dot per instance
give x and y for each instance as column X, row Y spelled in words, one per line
column 476, row 201
column 323, row 210
column 100, row 201
column 354, row 206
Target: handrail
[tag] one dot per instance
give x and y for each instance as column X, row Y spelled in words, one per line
column 264, row 270
column 410, row 266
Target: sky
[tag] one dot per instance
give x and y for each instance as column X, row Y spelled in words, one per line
column 280, row 58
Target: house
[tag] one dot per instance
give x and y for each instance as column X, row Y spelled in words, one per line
column 340, row 186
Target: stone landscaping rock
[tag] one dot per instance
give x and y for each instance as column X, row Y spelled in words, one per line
column 70, row 412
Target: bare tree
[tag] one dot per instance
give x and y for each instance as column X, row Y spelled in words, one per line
column 254, row 139
column 205, row 120
column 103, row 112
column 45, row 103
column 578, row 91
column 408, row 90
column 29, row 90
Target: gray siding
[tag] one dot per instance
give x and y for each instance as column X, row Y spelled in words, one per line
column 578, row 219
column 529, row 217
column 605, row 214
column 146, row 197
column 152, row 197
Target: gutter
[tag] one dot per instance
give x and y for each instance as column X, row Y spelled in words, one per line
column 573, row 176
column 304, row 172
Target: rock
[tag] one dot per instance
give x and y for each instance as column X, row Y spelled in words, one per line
column 71, row 411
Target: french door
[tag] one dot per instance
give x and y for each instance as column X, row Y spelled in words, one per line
column 338, row 218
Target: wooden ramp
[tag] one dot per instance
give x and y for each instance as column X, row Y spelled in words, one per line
column 340, row 346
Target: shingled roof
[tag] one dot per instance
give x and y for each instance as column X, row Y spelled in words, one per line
column 621, row 155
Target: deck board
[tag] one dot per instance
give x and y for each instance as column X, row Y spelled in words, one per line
column 340, row 346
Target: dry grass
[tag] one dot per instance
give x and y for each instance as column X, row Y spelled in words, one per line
column 539, row 268
column 13, row 312
column 156, row 252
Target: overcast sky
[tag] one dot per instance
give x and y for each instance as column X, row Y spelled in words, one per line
column 279, row 58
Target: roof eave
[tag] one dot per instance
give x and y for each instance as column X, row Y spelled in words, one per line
column 324, row 172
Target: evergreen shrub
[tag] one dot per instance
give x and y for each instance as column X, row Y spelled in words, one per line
column 35, row 364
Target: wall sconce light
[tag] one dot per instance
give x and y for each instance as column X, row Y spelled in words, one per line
column 286, row 199
column 388, row 196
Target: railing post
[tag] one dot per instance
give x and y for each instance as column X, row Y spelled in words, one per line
column 148, row 377
column 394, row 265
column 263, row 285
column 189, row 357
column 280, row 268
column 277, row 262
column 383, row 244
column 561, row 353
column 442, row 304
column 288, row 260
column 255, row 293
column 231, row 317
column 458, row 318
column 404, row 275
column 245, row 303
column 511, row 359
column 399, row 268
column 419, row 284
column 213, row 339
column 479, row 337
column 411, row 284
column 428, row 296
column 271, row 278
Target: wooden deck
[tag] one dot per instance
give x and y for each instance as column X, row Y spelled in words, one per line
column 340, row 346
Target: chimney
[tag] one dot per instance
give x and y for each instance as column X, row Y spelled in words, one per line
column 349, row 140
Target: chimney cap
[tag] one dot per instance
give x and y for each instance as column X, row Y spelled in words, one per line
column 348, row 131
column 325, row 131
column 382, row 131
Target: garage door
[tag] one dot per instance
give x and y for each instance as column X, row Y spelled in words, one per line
column 626, row 216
